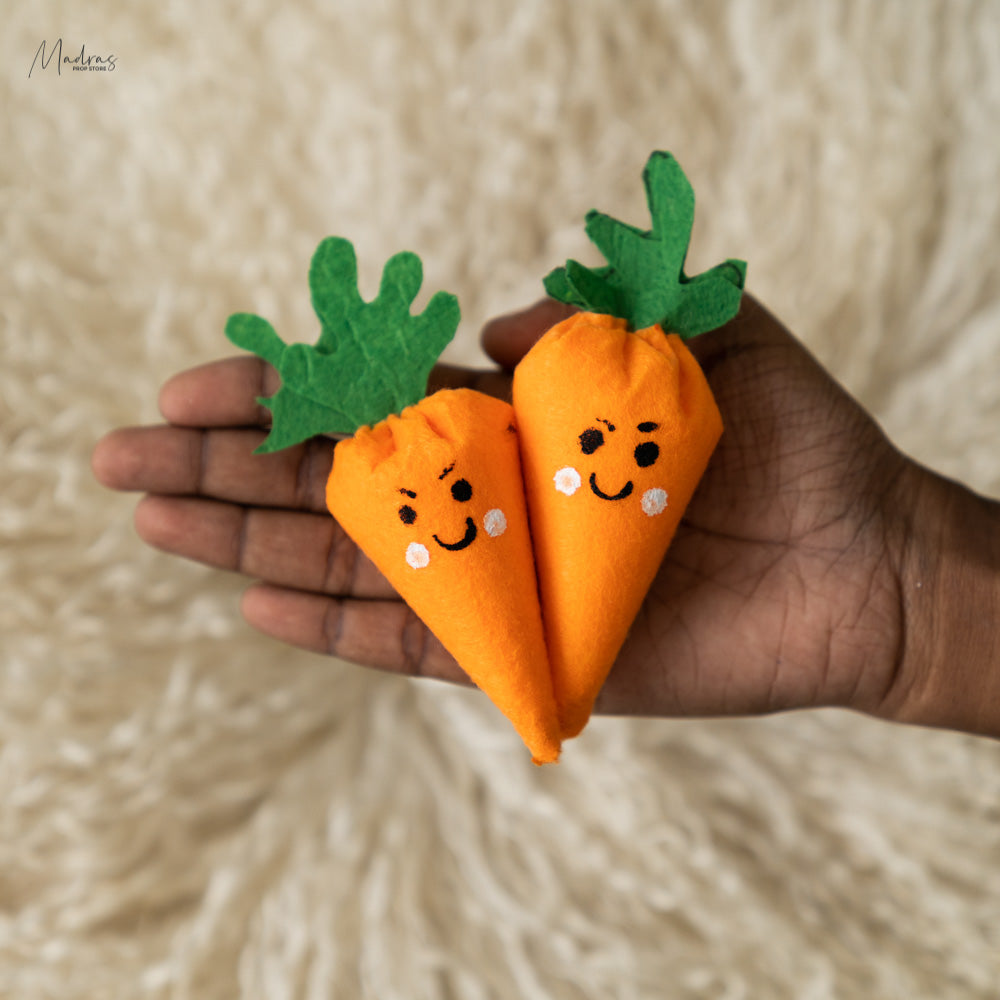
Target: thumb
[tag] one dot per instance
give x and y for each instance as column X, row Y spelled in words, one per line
column 507, row 339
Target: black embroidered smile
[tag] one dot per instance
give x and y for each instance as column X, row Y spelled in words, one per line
column 470, row 535
column 625, row 491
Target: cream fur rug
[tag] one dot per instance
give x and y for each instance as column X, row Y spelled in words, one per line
column 188, row 810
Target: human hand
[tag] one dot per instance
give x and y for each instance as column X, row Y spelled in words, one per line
column 786, row 585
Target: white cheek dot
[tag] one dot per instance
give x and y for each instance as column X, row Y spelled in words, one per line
column 495, row 522
column 653, row 502
column 567, row 480
column 417, row 555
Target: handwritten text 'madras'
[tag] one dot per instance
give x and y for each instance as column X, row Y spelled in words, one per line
column 101, row 64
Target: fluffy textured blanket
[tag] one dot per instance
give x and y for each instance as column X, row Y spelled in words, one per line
column 188, row 810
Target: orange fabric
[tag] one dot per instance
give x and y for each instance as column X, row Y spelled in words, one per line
column 586, row 397
column 434, row 497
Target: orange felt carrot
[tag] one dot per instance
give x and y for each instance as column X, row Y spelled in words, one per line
column 432, row 494
column 434, row 497
column 617, row 424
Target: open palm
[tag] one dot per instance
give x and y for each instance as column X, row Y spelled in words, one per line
column 780, row 590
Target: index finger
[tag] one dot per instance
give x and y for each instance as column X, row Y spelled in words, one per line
column 225, row 393
column 220, row 394
column 507, row 339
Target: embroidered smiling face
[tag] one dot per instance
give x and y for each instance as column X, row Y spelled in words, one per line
column 418, row 555
column 614, row 475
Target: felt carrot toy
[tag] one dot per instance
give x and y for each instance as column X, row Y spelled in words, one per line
column 430, row 488
column 616, row 424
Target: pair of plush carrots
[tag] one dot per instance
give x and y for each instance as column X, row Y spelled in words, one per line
column 525, row 536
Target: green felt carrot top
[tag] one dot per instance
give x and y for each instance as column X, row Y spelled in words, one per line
column 372, row 358
column 644, row 282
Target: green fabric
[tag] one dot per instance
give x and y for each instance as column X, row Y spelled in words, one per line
column 645, row 282
column 371, row 359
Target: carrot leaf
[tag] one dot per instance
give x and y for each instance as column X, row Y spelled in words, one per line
column 371, row 359
column 644, row 282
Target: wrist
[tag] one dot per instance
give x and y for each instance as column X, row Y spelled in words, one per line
column 948, row 665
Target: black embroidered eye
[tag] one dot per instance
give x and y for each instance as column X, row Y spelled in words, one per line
column 407, row 514
column 646, row 454
column 461, row 490
column 591, row 440
column 648, row 426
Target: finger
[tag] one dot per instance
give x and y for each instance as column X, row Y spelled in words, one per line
column 385, row 635
column 492, row 381
column 220, row 394
column 752, row 328
column 224, row 393
column 306, row 551
column 508, row 338
column 214, row 463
